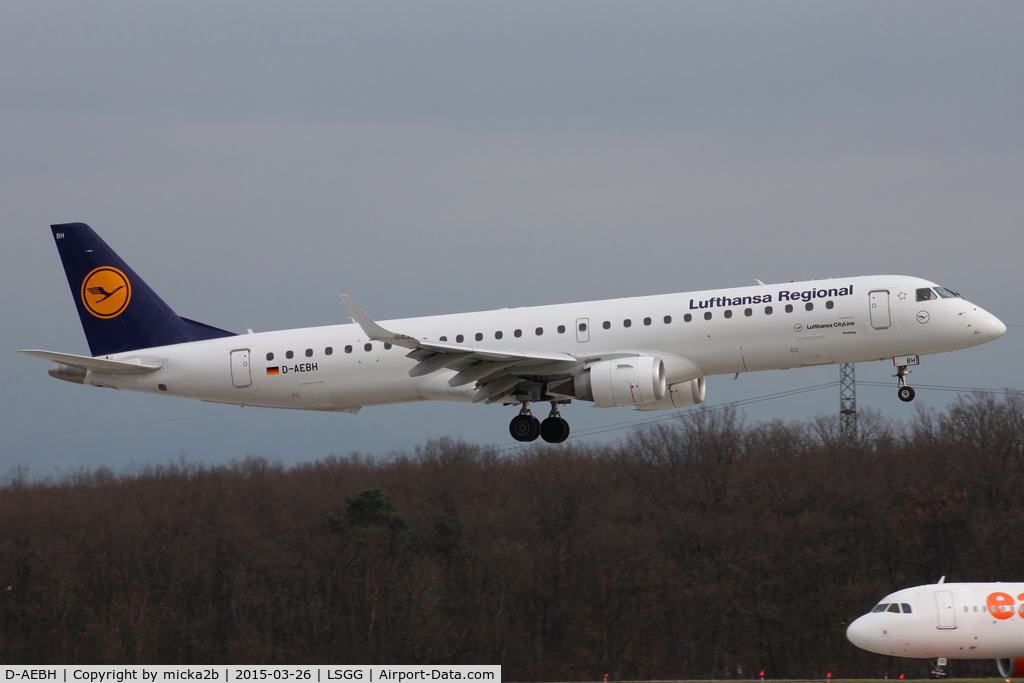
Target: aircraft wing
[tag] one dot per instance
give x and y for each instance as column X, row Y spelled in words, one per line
column 497, row 372
column 111, row 367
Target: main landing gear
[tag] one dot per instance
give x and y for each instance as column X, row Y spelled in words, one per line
column 905, row 393
column 525, row 427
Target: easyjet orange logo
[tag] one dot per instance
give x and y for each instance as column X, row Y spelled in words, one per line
column 1002, row 606
column 106, row 292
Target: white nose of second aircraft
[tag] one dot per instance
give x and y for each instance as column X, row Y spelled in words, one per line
column 859, row 633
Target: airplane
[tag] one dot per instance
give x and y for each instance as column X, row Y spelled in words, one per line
column 651, row 352
column 950, row 621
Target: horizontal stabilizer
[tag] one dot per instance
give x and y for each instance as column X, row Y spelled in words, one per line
column 110, row 367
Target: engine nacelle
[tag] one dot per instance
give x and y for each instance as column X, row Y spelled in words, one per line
column 622, row 382
column 679, row 396
column 1011, row 668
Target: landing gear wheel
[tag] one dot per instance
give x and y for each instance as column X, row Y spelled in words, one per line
column 554, row 430
column 905, row 393
column 524, row 427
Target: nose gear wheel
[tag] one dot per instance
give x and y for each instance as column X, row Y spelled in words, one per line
column 905, row 393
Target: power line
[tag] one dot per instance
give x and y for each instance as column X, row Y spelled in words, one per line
column 939, row 387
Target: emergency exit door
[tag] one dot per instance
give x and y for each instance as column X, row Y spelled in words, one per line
column 583, row 329
column 241, row 376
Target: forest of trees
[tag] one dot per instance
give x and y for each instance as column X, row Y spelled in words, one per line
column 701, row 547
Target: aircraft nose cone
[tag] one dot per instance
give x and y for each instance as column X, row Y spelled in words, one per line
column 998, row 328
column 858, row 633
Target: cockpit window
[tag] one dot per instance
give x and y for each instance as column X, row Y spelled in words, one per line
column 947, row 293
column 926, row 294
column 906, row 608
column 894, row 607
column 880, row 607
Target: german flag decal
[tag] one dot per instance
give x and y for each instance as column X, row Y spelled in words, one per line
column 273, row 371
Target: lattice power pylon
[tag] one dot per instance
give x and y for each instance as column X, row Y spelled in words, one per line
column 847, row 401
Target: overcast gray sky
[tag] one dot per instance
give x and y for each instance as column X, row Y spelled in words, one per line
column 252, row 160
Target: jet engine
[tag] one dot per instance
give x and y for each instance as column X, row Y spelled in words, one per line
column 679, row 396
column 1011, row 668
column 622, row 382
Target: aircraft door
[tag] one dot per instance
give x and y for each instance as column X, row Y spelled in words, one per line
column 583, row 329
column 241, row 377
column 315, row 395
column 944, row 609
column 879, row 300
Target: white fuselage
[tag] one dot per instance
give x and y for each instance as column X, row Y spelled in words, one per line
column 952, row 620
column 851, row 319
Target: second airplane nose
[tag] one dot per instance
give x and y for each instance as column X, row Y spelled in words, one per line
column 857, row 633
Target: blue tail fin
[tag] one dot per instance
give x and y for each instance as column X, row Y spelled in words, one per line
column 119, row 311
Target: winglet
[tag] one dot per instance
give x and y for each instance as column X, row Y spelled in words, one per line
column 372, row 329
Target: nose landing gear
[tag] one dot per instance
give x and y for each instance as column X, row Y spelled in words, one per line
column 525, row 427
column 905, row 393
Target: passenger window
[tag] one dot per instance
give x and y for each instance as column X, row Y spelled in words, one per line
column 445, row 338
column 829, row 305
column 328, row 351
column 627, row 322
column 728, row 313
column 647, row 321
column 707, row 316
column 747, row 312
column 539, row 331
column 789, row 308
column 368, row 347
column 479, row 336
column 687, row 318
column 387, row 346
column 668, row 319
column 518, row 333
column 309, row 353
column 561, row 329
column 498, row 335
column 270, row 356
column 768, row 310
column 880, row 607
column 459, row 339
column 984, row 608
column 289, row 354
column 583, row 327
column 606, row 325
column 906, row 608
column 348, row 348
column 809, row 306
column 894, row 607
column 926, row 294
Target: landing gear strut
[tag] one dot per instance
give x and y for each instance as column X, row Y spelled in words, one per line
column 525, row 427
column 905, row 393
